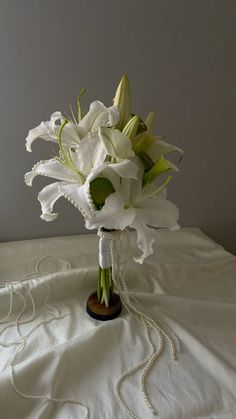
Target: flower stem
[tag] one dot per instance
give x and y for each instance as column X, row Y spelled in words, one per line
column 104, row 288
column 99, row 284
column 104, row 285
column 108, row 284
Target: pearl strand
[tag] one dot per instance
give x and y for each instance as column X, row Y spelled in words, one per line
column 149, row 323
column 143, row 391
column 23, row 338
column 147, row 364
column 156, row 353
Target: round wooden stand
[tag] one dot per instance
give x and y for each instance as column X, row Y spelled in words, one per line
column 100, row 311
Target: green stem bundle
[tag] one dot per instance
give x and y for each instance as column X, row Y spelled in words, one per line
column 104, row 285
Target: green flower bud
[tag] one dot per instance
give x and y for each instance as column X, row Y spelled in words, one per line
column 150, row 121
column 131, row 128
column 122, row 102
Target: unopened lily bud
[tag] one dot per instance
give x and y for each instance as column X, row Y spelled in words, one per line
column 131, row 128
column 122, row 102
column 150, row 121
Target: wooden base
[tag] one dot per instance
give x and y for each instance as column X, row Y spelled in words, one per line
column 100, row 311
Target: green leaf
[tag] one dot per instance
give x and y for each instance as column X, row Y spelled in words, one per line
column 100, row 189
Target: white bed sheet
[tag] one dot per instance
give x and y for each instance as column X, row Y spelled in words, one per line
column 189, row 283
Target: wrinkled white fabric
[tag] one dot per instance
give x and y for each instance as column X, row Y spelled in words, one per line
column 189, row 283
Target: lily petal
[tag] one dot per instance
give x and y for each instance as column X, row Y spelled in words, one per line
column 159, row 212
column 145, row 239
column 98, row 116
column 113, row 215
column 48, row 131
column 78, row 196
column 40, row 131
column 51, row 168
column 125, row 169
column 47, row 198
column 90, row 153
column 116, row 144
column 159, row 147
column 71, row 134
column 114, row 172
column 51, row 216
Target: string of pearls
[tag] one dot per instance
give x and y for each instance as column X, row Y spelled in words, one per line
column 163, row 332
column 112, row 235
column 15, row 288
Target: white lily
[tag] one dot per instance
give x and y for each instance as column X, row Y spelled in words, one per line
column 138, row 208
column 107, row 165
column 97, row 116
column 76, row 172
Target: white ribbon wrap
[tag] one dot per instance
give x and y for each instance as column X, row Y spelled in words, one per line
column 106, row 239
column 104, row 252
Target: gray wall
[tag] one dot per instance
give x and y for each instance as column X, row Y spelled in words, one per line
column 179, row 55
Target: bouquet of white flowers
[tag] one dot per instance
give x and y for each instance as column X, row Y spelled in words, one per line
column 110, row 166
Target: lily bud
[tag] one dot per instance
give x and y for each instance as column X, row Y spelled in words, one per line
column 131, row 128
column 150, row 121
column 122, row 102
